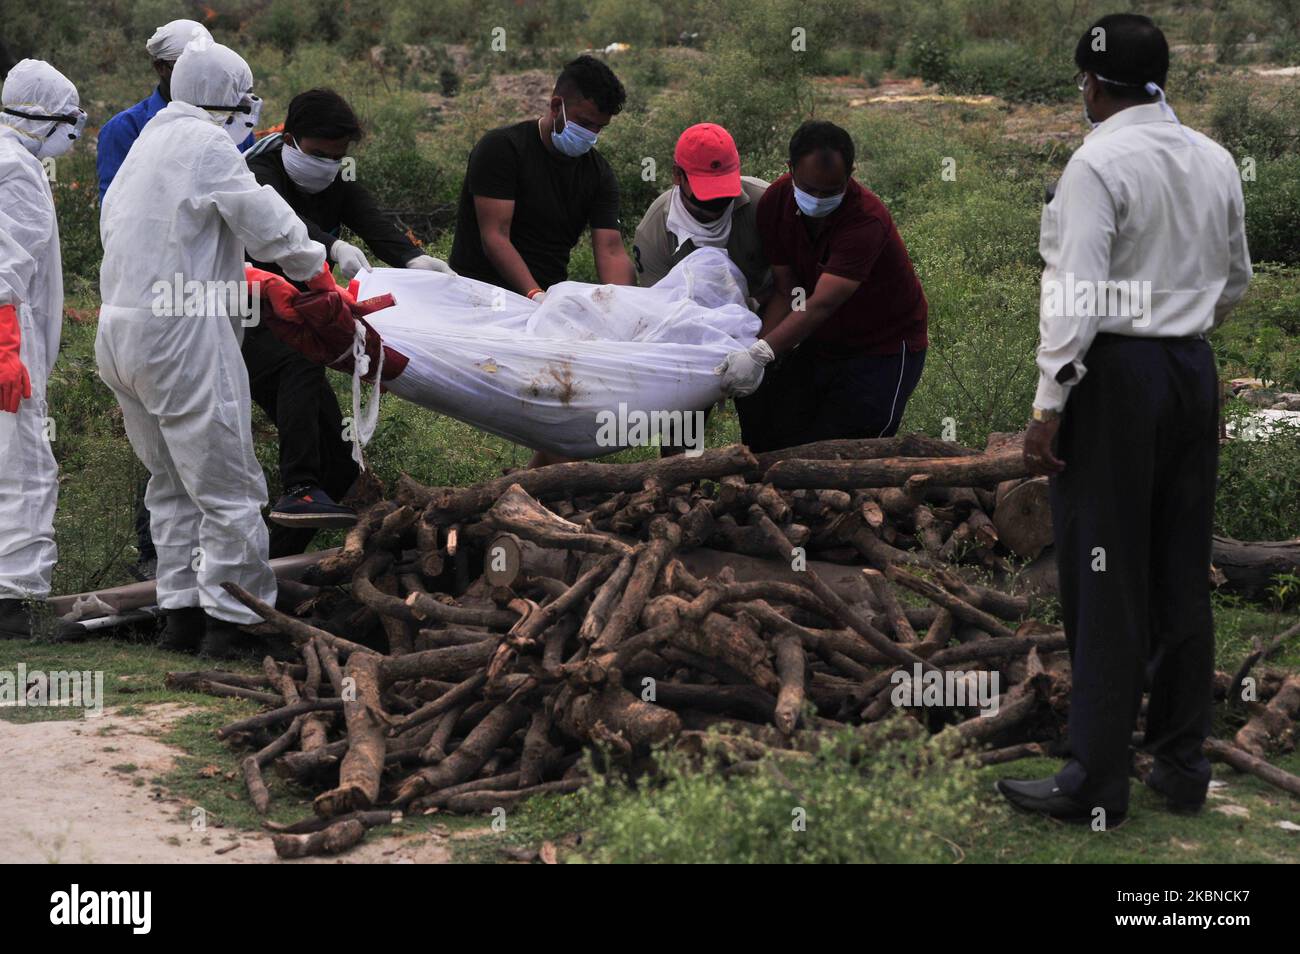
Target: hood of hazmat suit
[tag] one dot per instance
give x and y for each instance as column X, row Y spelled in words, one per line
column 182, row 214
column 168, row 41
column 31, row 280
column 42, row 106
column 217, row 80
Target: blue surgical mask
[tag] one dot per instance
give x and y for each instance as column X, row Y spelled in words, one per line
column 816, row 207
column 573, row 140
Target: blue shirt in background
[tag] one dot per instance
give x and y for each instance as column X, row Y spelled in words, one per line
column 117, row 135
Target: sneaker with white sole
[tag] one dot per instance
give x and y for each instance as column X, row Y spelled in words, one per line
column 311, row 507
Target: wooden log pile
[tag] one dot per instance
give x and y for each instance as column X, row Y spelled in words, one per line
column 466, row 645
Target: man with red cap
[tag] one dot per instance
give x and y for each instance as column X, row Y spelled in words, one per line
column 710, row 204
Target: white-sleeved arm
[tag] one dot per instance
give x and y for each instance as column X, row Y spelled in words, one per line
column 269, row 228
column 1239, row 270
column 1067, row 322
column 26, row 224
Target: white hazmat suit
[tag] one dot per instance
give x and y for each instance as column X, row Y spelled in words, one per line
column 31, row 280
column 184, row 208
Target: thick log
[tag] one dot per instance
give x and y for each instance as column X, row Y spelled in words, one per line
column 453, row 662
column 1243, row 761
column 424, row 607
column 615, row 712
column 536, row 743
column 333, row 840
column 359, row 774
column 1252, row 567
column 664, row 538
column 607, row 598
column 791, row 667
column 979, row 470
column 869, row 448
column 1024, row 517
column 470, row 756
column 448, row 504
column 517, row 512
column 1272, row 726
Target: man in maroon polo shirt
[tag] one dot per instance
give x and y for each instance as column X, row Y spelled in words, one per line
column 844, row 337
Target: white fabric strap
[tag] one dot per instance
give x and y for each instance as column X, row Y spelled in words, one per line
column 364, row 422
column 685, row 226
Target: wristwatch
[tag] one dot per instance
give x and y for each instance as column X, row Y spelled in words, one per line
column 1042, row 416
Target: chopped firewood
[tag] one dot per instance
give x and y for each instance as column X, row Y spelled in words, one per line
column 767, row 600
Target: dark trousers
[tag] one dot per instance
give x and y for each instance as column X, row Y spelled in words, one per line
column 1133, row 514
column 813, row 396
column 143, row 535
column 296, row 396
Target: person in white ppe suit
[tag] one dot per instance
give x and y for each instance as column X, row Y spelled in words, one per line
column 40, row 118
column 184, row 208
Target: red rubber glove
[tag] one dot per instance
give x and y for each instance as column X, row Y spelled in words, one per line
column 324, row 281
column 15, row 382
column 276, row 289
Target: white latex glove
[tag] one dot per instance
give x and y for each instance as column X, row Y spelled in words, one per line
column 742, row 371
column 430, row 264
column 349, row 259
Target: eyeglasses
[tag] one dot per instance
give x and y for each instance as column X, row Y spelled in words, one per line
column 1080, row 79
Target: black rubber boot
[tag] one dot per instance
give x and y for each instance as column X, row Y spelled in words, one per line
column 224, row 640
column 183, row 630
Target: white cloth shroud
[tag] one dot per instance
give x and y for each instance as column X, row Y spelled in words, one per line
column 541, row 375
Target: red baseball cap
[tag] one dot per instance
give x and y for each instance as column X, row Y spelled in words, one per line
column 707, row 154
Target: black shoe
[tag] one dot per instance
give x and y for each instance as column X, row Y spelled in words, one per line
column 311, row 507
column 15, row 619
column 183, row 630
column 1178, row 806
column 224, row 640
column 1044, row 797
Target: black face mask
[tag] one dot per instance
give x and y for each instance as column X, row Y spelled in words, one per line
column 716, row 206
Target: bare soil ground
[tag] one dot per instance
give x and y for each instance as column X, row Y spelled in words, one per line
column 79, row 791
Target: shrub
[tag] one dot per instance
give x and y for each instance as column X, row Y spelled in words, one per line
column 929, row 58
column 1261, row 338
column 1245, row 126
column 902, row 802
column 1272, row 211
column 1259, row 484
column 1010, row 71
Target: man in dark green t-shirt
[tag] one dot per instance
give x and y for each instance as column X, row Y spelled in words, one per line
column 532, row 188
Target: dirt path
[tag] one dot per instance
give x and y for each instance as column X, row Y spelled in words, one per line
column 63, row 801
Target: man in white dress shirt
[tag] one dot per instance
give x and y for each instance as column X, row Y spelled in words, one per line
column 1145, row 253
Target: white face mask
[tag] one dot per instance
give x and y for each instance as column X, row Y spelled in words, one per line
column 238, row 121
column 65, row 130
column 311, row 174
